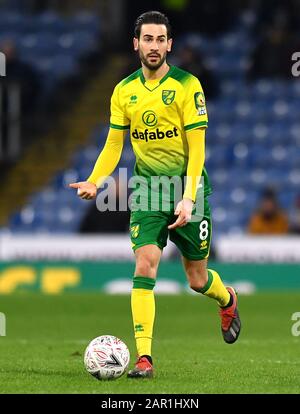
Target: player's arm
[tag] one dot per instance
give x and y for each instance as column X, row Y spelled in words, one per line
column 105, row 164
column 195, row 121
column 111, row 153
column 196, row 143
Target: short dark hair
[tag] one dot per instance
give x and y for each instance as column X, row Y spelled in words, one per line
column 154, row 17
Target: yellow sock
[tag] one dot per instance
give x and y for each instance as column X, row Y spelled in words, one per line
column 143, row 313
column 215, row 288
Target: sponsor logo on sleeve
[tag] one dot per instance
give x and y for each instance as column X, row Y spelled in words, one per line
column 200, row 103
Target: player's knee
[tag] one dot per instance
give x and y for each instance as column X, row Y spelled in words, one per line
column 145, row 267
column 143, row 270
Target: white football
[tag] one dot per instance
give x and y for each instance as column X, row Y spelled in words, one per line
column 106, row 357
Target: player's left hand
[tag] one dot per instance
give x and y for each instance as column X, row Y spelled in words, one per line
column 184, row 212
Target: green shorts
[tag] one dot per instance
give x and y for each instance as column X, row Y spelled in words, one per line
column 151, row 227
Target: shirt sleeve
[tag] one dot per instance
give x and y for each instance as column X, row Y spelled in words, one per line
column 108, row 158
column 118, row 119
column 196, row 143
column 194, row 107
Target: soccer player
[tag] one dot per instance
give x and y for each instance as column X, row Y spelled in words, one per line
column 164, row 109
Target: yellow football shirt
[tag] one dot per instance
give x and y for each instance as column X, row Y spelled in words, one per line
column 158, row 114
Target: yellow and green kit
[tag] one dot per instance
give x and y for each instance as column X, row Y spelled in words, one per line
column 158, row 114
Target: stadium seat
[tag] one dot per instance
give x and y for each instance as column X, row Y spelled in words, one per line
column 11, row 22
column 63, row 66
column 50, row 21
column 78, row 43
column 43, row 44
column 84, row 20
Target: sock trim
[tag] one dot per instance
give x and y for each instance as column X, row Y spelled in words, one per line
column 148, row 357
column 142, row 282
column 208, row 283
column 230, row 303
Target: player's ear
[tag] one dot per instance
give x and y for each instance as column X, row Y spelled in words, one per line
column 170, row 42
column 135, row 44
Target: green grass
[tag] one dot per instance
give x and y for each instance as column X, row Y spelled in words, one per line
column 47, row 336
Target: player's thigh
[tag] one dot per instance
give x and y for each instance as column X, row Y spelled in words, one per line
column 148, row 228
column 194, row 239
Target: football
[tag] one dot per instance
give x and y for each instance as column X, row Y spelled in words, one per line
column 106, row 357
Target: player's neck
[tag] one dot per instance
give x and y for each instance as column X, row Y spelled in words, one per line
column 155, row 74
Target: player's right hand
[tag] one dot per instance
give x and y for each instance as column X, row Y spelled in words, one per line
column 85, row 190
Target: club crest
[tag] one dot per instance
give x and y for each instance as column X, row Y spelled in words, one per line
column 168, row 97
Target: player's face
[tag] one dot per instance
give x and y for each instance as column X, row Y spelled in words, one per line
column 153, row 45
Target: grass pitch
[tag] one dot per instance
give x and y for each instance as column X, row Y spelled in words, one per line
column 46, row 338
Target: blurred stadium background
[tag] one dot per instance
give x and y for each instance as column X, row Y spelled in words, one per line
column 63, row 60
column 60, row 257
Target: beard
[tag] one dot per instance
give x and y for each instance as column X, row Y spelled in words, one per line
column 152, row 66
